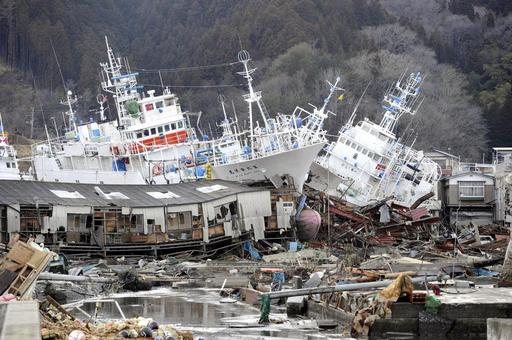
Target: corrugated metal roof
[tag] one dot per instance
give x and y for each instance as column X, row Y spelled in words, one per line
column 32, row 192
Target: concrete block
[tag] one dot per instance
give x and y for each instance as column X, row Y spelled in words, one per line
column 296, row 305
column 250, row 296
column 469, row 328
column 381, row 327
column 406, row 310
column 499, row 329
column 475, row 311
column 432, row 326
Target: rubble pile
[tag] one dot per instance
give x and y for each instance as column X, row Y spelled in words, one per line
column 362, row 263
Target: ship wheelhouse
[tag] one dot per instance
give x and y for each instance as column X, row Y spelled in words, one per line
column 158, row 122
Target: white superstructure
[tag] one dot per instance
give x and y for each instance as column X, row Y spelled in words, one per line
column 368, row 162
column 8, row 159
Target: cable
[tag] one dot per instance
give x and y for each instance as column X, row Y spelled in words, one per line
column 190, row 68
column 193, row 86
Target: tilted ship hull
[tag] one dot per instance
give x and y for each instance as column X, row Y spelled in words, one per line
column 275, row 168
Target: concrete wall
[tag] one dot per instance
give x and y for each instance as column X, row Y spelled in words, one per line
column 499, row 329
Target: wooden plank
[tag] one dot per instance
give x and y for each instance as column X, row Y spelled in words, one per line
column 20, row 253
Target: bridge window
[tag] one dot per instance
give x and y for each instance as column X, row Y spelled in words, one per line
column 159, row 105
column 173, row 126
column 146, row 133
column 167, row 128
column 153, row 131
column 139, row 134
column 149, row 107
column 160, row 129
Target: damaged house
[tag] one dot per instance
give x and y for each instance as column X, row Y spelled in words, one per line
column 136, row 218
column 468, row 197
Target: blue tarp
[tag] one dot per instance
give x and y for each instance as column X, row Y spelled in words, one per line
column 250, row 249
column 485, row 272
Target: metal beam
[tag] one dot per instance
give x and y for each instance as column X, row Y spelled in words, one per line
column 343, row 287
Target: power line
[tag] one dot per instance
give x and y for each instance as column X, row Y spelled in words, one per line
column 180, row 69
column 194, row 86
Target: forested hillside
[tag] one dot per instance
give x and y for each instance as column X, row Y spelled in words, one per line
column 463, row 46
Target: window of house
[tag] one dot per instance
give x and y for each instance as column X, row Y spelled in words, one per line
column 471, row 189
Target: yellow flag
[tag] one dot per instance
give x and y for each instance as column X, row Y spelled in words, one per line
column 341, row 97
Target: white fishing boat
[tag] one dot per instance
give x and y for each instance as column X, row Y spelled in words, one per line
column 279, row 150
column 368, row 162
column 129, row 150
column 9, row 168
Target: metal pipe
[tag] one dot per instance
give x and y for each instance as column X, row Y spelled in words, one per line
column 343, row 287
column 76, row 278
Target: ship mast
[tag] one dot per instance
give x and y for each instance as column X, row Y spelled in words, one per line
column 402, row 98
column 70, row 100
column 316, row 121
column 253, row 96
column 123, row 87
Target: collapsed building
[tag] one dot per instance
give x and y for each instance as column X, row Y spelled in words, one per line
column 140, row 218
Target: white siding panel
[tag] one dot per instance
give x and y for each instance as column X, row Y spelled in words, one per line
column 156, row 214
column 60, row 216
column 13, row 218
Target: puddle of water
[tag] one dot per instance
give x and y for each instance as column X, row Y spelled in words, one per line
column 196, row 309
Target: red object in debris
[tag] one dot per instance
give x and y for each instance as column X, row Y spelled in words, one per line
column 436, row 290
column 416, row 214
column 7, row 297
column 308, row 225
column 500, row 237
